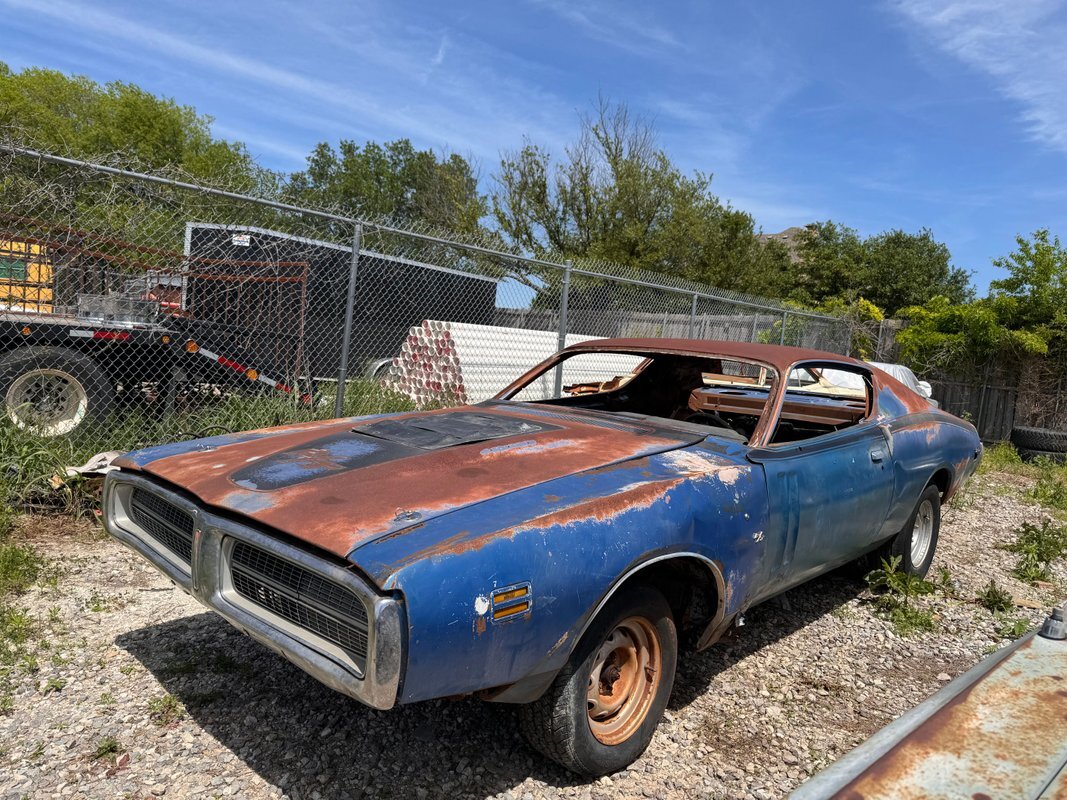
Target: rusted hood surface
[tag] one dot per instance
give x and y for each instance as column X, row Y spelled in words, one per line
column 340, row 484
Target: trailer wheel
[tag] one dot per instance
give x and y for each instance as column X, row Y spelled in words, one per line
column 52, row 390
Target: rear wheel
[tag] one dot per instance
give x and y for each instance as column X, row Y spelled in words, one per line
column 601, row 711
column 917, row 540
column 52, row 390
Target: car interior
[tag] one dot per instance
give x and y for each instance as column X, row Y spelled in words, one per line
column 724, row 395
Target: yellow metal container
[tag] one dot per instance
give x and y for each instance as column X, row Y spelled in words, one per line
column 25, row 276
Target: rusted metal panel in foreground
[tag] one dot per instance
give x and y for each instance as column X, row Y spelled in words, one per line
column 998, row 731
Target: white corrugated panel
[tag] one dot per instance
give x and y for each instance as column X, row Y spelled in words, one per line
column 453, row 362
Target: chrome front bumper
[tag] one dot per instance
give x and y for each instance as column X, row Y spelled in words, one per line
column 373, row 680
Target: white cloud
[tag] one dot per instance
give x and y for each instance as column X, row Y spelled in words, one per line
column 471, row 108
column 1018, row 43
column 612, row 24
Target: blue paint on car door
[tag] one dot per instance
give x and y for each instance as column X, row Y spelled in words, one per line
column 829, row 500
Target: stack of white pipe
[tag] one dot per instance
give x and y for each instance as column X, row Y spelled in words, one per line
column 456, row 362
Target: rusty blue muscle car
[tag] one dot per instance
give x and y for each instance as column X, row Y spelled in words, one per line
column 555, row 546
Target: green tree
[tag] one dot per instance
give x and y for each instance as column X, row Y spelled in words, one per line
column 395, row 181
column 617, row 196
column 75, row 116
column 830, row 264
column 1034, row 294
column 905, row 269
column 893, row 270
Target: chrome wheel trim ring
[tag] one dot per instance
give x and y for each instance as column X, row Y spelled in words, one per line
column 922, row 533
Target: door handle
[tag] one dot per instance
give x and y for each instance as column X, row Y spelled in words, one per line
column 877, row 454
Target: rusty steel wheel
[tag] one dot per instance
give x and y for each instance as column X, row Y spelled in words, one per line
column 600, row 712
column 624, row 679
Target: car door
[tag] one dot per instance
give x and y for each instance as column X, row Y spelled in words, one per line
column 829, row 497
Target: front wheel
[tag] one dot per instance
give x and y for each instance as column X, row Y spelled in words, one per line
column 601, row 711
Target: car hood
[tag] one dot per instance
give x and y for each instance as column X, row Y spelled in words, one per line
column 340, row 484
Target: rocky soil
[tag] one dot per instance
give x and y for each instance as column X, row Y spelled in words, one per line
column 131, row 689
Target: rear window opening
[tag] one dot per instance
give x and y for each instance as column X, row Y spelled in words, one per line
column 819, row 401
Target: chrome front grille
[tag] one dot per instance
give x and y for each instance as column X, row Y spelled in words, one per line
column 163, row 521
column 320, row 606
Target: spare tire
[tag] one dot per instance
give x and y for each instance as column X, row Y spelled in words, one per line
column 53, row 390
column 1030, row 455
column 1039, row 439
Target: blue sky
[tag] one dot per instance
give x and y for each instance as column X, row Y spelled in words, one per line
column 907, row 113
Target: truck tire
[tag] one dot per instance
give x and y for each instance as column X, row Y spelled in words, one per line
column 1044, row 439
column 53, row 390
column 599, row 714
column 1029, row 455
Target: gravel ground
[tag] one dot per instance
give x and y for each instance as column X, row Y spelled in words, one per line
column 191, row 708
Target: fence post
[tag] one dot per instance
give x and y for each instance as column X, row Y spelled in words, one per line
column 693, row 318
column 785, row 321
column 350, row 308
column 561, row 340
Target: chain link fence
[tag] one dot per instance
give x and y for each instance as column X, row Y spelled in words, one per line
column 138, row 309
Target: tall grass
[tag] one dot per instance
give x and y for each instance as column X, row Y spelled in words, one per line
column 1001, row 457
column 29, row 464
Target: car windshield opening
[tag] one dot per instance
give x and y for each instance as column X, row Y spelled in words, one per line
column 724, row 396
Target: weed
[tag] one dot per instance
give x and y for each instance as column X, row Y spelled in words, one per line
column 1011, row 628
column 945, row 582
column 127, row 669
column 19, row 567
column 107, row 699
column 1051, row 487
column 107, row 748
column 55, row 685
column 1001, row 457
column 37, row 752
column 1037, row 548
column 843, row 612
column 897, row 582
column 54, row 614
column 908, row 620
column 964, row 498
column 16, row 626
column 166, row 709
column 99, row 603
column 30, row 665
column 901, row 589
column 995, row 599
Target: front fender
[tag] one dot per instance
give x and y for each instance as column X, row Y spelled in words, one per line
column 573, row 541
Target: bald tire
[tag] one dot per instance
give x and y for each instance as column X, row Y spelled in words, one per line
column 557, row 724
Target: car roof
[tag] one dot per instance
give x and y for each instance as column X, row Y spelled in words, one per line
column 779, row 356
